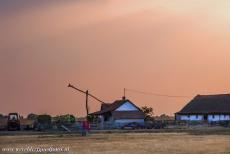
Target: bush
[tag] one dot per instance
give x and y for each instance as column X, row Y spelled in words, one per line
column 92, row 118
column 72, row 119
column 44, row 122
column 195, row 122
column 65, row 119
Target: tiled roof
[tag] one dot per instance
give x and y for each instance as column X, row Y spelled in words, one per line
column 106, row 107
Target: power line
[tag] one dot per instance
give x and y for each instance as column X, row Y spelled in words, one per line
column 155, row 94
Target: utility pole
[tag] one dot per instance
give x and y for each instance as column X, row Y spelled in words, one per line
column 87, row 94
column 86, row 102
column 124, row 93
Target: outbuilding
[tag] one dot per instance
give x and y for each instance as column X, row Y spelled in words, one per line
column 210, row 108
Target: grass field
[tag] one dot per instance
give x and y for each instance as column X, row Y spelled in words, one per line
column 124, row 143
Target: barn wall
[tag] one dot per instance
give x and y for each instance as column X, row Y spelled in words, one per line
column 218, row 117
column 201, row 117
column 191, row 117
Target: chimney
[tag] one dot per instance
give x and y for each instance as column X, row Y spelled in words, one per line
column 123, row 98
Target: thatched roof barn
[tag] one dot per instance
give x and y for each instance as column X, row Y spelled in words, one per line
column 206, row 107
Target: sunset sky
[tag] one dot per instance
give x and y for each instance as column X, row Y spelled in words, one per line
column 173, row 47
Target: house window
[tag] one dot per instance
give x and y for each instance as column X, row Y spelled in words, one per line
column 196, row 116
column 213, row 116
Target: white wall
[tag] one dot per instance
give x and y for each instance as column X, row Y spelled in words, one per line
column 201, row 117
column 218, row 117
column 191, row 117
column 127, row 107
column 224, row 117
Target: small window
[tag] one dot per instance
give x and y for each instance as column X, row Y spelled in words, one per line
column 213, row 116
column 13, row 117
column 196, row 116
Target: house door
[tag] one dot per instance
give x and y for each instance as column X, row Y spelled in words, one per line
column 205, row 117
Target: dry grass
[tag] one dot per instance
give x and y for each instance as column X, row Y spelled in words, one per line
column 126, row 143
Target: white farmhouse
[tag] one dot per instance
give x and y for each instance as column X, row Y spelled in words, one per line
column 119, row 113
column 210, row 108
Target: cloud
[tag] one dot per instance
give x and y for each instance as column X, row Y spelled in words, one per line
column 172, row 47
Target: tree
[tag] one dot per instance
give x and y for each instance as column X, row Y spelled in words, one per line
column 32, row 116
column 44, row 120
column 1, row 115
column 148, row 111
column 165, row 117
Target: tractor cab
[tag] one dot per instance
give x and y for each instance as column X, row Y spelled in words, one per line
column 13, row 122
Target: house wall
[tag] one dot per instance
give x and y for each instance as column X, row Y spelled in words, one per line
column 122, row 122
column 127, row 107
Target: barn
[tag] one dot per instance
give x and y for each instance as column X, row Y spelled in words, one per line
column 210, row 108
column 119, row 113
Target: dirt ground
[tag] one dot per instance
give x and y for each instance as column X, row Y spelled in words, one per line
column 119, row 143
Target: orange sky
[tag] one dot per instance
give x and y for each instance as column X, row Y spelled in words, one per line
column 173, row 47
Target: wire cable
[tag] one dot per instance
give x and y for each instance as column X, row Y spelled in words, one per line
column 155, row 94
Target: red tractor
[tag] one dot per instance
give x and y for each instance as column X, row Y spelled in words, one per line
column 13, row 122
